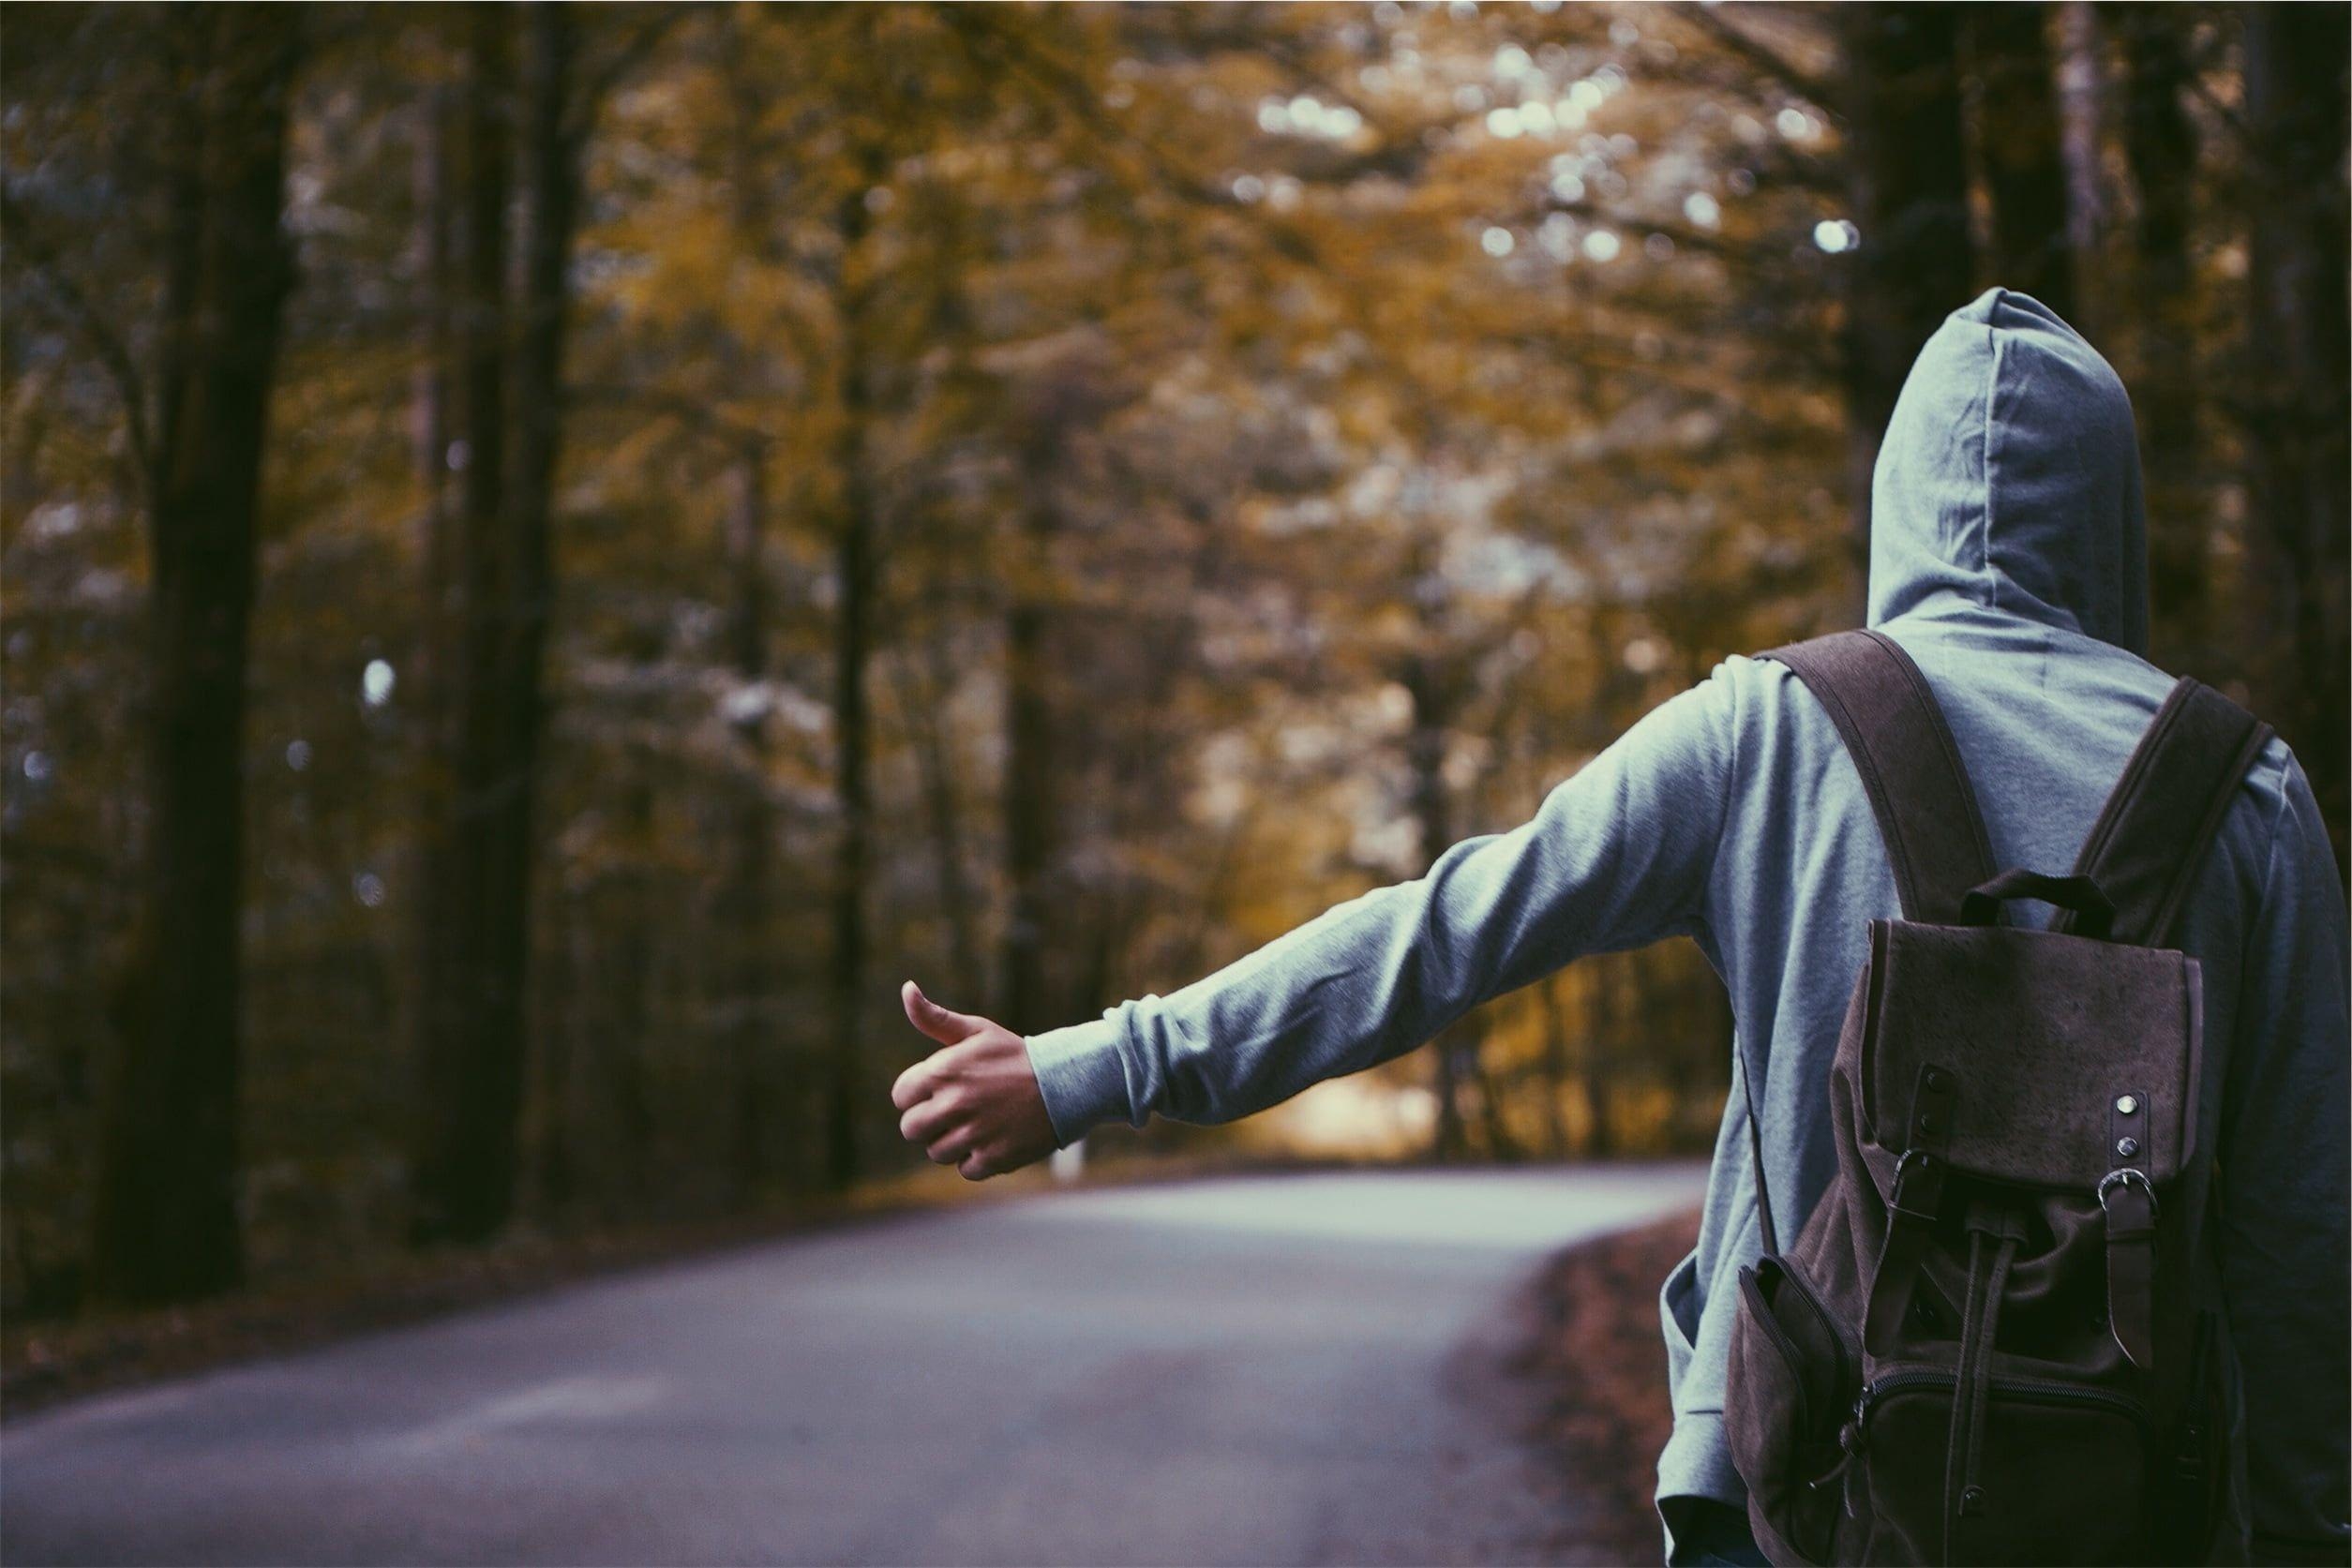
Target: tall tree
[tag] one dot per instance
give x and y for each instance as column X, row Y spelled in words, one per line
column 1906, row 175
column 1028, row 783
column 2160, row 145
column 743, row 897
column 1429, row 680
column 2082, row 112
column 471, row 1071
column 554, row 130
column 2020, row 150
column 165, row 1221
column 1063, row 390
column 854, row 584
column 2295, row 396
column 478, row 886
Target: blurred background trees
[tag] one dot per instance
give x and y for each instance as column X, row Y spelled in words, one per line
column 553, row 555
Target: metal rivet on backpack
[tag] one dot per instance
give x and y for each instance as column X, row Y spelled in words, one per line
column 1935, row 1078
column 1927, row 1121
column 1971, row 1498
column 2127, row 1147
column 2127, row 1104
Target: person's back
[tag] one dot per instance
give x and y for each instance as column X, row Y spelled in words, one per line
column 2008, row 559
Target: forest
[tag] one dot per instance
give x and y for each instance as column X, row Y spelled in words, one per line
column 552, row 555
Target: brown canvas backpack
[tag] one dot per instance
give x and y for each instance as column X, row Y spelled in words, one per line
column 1983, row 1346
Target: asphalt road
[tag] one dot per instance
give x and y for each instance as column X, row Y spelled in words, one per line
column 1291, row 1370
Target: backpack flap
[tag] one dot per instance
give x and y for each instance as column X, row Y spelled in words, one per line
column 2083, row 1056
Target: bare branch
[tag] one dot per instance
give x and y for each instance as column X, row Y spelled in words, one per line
column 1761, row 55
column 598, row 85
column 111, row 351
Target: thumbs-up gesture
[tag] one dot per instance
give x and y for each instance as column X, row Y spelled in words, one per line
column 973, row 1103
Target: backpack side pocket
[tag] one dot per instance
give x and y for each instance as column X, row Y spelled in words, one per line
column 1793, row 1377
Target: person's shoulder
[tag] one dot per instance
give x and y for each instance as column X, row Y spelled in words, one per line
column 1740, row 687
column 2276, row 796
column 1763, row 709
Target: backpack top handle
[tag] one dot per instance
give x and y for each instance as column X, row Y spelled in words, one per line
column 2080, row 896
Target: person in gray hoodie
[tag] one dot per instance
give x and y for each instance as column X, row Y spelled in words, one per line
column 2008, row 557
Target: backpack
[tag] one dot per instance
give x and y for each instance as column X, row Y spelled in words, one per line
column 1986, row 1345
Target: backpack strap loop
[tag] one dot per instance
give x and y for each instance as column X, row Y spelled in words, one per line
column 2152, row 836
column 1911, row 767
column 2127, row 1203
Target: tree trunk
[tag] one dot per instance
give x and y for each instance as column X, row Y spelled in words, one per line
column 1600, row 1063
column 474, row 1057
column 1556, row 1067
column 2295, row 396
column 429, row 679
column 2082, row 135
column 921, row 700
column 624, row 1028
column 2160, row 145
column 1500, row 1145
column 429, row 379
column 743, row 901
column 2022, row 155
column 1908, row 181
column 854, row 580
column 745, row 898
column 469, row 1077
column 1029, row 793
column 165, row 1219
column 550, row 217
column 1456, row 1049
column 554, row 1157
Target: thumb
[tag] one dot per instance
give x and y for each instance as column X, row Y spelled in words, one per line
column 948, row 1028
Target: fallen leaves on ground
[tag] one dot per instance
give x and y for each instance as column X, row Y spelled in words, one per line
column 1596, row 1364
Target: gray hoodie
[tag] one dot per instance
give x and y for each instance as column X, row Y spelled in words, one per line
column 2008, row 556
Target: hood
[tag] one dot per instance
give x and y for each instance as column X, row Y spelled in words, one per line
column 2009, row 479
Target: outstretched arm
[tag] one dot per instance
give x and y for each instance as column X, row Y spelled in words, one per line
column 1618, row 855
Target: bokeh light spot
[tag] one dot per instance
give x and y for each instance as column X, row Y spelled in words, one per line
column 376, row 683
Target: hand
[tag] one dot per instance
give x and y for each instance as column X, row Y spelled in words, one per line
column 974, row 1105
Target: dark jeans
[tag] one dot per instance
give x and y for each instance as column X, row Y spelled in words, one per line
column 1709, row 1534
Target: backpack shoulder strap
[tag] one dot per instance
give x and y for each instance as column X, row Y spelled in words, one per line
column 1919, row 792
column 2152, row 836
column 1910, row 768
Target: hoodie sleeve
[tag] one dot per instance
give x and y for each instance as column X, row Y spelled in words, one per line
column 2283, row 1244
column 1618, row 855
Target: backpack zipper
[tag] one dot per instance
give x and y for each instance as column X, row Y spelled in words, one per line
column 2033, row 1390
column 1843, row 1359
column 1854, row 1438
column 1778, row 1337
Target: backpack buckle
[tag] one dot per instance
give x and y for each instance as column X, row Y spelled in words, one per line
column 1918, row 1188
column 2125, row 1178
